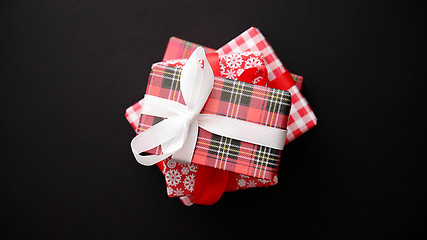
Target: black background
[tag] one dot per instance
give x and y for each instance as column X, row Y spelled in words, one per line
column 71, row 68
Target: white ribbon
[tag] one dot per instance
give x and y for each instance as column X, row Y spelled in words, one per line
column 177, row 133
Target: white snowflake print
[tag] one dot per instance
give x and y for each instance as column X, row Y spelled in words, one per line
column 241, row 182
column 263, row 181
column 275, row 179
column 173, row 177
column 171, row 164
column 252, row 62
column 173, row 61
column 230, row 74
column 233, row 60
column 251, row 184
column 182, row 164
column 169, row 191
column 192, row 167
column 189, row 182
column 185, row 170
column 159, row 64
column 239, row 72
column 179, row 192
column 246, row 53
column 259, row 70
column 256, row 80
column 222, row 69
column 164, row 167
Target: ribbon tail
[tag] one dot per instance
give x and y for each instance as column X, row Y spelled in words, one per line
column 282, row 82
column 213, row 60
column 210, row 185
column 255, row 75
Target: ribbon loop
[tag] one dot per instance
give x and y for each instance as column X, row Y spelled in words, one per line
column 173, row 134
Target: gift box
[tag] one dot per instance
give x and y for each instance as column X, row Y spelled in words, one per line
column 260, row 106
column 181, row 178
column 302, row 117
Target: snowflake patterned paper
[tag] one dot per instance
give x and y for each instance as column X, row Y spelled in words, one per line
column 231, row 65
column 180, row 179
column 302, row 117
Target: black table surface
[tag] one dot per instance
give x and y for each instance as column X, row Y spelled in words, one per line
column 71, row 68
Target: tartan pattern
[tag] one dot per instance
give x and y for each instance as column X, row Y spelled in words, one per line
column 133, row 113
column 235, row 99
column 178, row 48
column 298, row 80
column 302, row 117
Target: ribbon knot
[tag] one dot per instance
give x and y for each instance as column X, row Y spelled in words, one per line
column 190, row 116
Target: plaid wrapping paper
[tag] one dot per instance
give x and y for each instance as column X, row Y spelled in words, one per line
column 235, row 99
column 302, row 117
column 178, row 49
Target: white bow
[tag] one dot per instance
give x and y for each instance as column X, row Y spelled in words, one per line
column 177, row 133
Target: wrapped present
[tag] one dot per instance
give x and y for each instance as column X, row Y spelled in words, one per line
column 180, row 178
column 301, row 117
column 178, row 48
column 242, row 126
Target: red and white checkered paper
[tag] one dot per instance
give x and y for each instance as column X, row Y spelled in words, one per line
column 301, row 117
